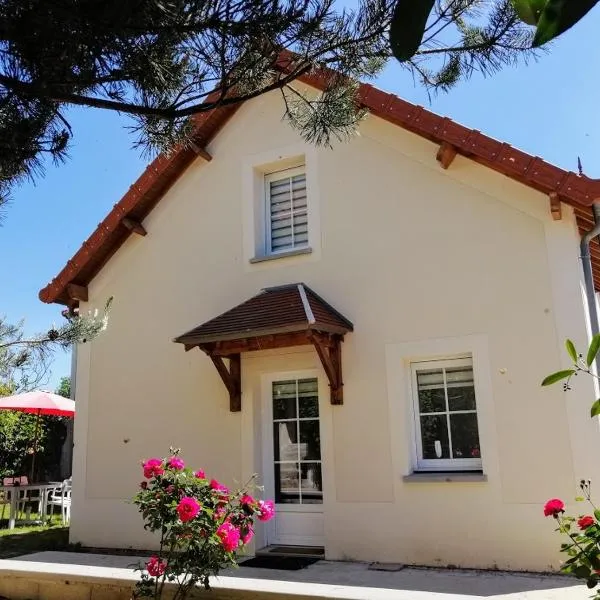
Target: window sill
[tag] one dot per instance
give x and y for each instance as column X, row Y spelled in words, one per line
column 445, row 478
column 266, row 257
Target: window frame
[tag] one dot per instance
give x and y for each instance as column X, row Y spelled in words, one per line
column 279, row 175
column 441, row 464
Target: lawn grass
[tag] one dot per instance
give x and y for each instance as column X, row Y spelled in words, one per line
column 34, row 538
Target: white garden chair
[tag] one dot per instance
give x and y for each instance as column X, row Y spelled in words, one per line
column 60, row 496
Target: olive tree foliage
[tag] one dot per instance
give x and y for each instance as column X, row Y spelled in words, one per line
column 24, row 360
column 163, row 61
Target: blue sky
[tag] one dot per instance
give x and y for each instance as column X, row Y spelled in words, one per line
column 548, row 108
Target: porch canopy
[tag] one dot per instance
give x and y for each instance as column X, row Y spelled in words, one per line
column 277, row 317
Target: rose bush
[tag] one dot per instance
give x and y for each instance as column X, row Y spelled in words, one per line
column 201, row 523
column 583, row 533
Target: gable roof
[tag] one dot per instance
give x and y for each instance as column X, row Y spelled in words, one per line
column 282, row 309
column 578, row 191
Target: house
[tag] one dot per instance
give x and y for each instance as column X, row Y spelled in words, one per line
column 366, row 328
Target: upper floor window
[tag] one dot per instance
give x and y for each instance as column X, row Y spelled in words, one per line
column 286, row 210
column 446, row 429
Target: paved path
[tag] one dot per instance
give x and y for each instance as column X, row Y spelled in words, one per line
column 406, row 584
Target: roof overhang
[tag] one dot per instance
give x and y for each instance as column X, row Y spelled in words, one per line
column 560, row 185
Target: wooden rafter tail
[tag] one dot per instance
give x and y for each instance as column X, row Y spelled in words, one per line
column 231, row 378
column 555, row 206
column 446, row 154
column 201, row 151
column 329, row 350
column 134, row 226
column 77, row 293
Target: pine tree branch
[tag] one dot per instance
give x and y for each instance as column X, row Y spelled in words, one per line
column 30, row 89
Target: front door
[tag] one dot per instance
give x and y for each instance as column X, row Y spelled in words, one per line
column 293, row 455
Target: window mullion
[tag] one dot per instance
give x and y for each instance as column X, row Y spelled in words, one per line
column 448, row 414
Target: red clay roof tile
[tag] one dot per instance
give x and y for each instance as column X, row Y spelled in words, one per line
column 578, row 191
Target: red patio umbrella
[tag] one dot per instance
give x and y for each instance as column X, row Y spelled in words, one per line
column 39, row 403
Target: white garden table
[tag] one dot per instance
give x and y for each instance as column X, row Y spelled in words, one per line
column 20, row 492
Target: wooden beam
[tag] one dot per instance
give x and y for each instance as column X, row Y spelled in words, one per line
column 134, row 226
column 231, row 378
column 330, row 353
column 446, row 154
column 555, row 206
column 265, row 342
column 201, row 152
column 77, row 292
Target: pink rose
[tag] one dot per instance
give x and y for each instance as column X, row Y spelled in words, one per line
column 248, row 535
column 155, row 566
column 247, row 500
column 229, row 535
column 586, row 522
column 199, row 474
column 153, row 467
column 266, row 510
column 188, row 508
column 553, row 507
column 218, row 487
column 170, row 489
column 219, row 512
column 176, row 463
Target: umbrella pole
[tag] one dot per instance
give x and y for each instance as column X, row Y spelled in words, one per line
column 35, row 444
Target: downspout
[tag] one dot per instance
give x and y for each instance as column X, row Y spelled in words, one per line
column 588, row 277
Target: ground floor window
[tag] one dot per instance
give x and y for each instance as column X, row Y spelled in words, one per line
column 445, row 415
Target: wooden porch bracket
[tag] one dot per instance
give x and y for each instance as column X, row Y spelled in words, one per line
column 446, row 154
column 555, row 206
column 329, row 349
column 76, row 292
column 232, row 378
column 134, row 226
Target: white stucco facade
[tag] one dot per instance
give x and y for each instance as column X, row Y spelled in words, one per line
column 427, row 264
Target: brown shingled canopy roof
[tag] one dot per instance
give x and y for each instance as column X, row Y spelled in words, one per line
column 277, row 310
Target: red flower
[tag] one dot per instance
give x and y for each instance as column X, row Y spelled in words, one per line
column 586, row 522
column 188, row 508
column 155, row 566
column 266, row 510
column 553, row 507
column 200, row 474
column 153, row 467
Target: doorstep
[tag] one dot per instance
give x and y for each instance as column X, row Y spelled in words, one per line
column 305, row 551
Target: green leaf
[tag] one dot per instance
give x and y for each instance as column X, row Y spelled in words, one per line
column 558, row 376
column 558, row 16
column 408, row 26
column 571, row 350
column 529, row 11
column 592, row 582
column 595, row 410
column 579, row 499
column 582, row 571
column 593, row 350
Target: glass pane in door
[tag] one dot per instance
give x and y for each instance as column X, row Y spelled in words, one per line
column 297, row 442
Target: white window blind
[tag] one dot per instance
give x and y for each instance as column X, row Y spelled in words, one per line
column 287, row 211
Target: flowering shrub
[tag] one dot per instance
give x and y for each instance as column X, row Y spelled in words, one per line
column 583, row 533
column 201, row 525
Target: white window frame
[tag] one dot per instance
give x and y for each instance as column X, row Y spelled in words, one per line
column 278, row 176
column 442, row 464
